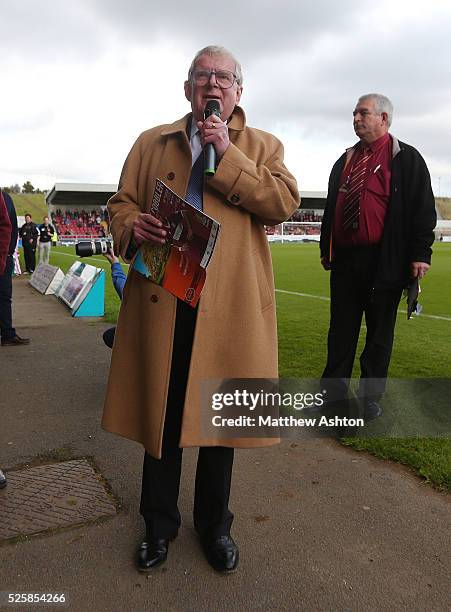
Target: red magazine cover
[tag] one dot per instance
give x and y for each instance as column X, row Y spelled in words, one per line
column 179, row 266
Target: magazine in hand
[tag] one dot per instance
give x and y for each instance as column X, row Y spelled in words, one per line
column 179, row 266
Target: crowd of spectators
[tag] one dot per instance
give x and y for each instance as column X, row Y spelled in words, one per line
column 91, row 223
column 294, row 230
column 306, row 216
column 291, row 227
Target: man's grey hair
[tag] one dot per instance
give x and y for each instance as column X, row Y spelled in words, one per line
column 222, row 51
column 381, row 103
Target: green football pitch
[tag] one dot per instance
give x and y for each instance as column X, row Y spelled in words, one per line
column 421, row 349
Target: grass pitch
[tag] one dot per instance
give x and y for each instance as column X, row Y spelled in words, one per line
column 421, row 348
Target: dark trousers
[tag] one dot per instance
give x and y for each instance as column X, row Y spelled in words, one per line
column 161, row 477
column 6, row 295
column 29, row 254
column 352, row 295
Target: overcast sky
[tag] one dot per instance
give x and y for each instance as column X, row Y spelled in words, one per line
column 81, row 79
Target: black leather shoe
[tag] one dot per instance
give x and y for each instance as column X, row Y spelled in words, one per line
column 14, row 341
column 3, row 480
column 222, row 553
column 372, row 410
column 152, row 553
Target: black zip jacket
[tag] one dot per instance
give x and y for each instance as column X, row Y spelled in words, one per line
column 29, row 231
column 410, row 220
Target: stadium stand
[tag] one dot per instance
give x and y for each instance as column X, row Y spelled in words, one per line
column 80, row 223
column 305, row 223
column 78, row 210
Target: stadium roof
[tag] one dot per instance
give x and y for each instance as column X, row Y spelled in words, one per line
column 313, row 199
column 95, row 195
column 314, row 194
column 80, row 194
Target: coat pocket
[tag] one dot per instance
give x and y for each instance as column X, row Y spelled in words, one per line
column 264, row 288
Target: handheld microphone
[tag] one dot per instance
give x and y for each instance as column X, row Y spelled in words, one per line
column 212, row 108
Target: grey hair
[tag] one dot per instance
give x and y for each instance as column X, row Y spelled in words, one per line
column 216, row 50
column 381, row 103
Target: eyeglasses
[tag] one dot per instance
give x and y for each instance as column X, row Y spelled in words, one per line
column 224, row 78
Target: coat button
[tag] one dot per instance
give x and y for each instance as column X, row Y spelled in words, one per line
column 235, row 198
column 154, row 298
column 170, row 176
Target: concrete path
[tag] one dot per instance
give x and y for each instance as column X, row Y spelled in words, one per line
column 319, row 526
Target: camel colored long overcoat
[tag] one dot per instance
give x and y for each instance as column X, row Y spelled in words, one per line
column 236, row 334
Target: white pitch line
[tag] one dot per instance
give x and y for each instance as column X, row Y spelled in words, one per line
column 309, row 295
column 326, row 299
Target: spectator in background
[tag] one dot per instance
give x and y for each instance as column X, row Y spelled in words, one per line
column 118, row 277
column 29, row 234
column 8, row 241
column 46, row 232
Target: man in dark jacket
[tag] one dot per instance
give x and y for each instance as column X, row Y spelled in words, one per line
column 29, row 234
column 7, row 331
column 376, row 235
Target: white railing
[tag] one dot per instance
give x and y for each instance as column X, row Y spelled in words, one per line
column 295, row 231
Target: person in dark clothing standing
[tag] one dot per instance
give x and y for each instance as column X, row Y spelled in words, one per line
column 376, row 234
column 7, row 331
column 29, row 234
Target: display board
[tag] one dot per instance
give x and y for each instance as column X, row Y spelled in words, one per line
column 46, row 278
column 83, row 290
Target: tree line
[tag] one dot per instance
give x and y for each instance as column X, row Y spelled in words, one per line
column 27, row 187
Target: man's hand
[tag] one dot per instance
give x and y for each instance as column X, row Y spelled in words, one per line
column 325, row 262
column 418, row 269
column 214, row 130
column 147, row 228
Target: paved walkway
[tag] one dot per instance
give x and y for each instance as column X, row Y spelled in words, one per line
column 319, row 526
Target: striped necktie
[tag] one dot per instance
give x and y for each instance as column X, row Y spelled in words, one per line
column 356, row 180
column 196, row 183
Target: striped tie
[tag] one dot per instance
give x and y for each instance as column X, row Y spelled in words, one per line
column 351, row 209
column 196, row 183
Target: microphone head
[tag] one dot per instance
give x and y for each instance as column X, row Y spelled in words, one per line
column 212, row 108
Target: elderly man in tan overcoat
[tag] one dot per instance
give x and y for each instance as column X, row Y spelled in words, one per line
column 163, row 348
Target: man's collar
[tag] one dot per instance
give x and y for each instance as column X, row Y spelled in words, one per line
column 178, row 126
column 373, row 146
column 396, row 148
column 380, row 142
column 237, row 122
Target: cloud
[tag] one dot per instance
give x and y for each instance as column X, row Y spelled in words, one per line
column 49, row 30
column 81, row 80
column 247, row 28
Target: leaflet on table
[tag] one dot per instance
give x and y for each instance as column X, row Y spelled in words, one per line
column 179, row 266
